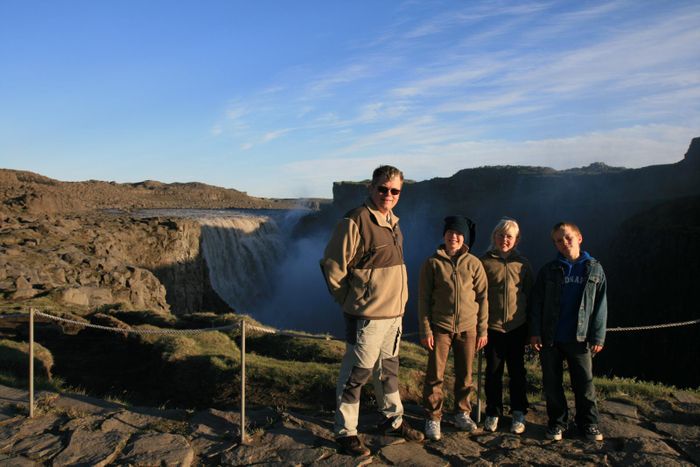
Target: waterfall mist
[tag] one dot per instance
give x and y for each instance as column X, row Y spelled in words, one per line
column 259, row 268
column 242, row 253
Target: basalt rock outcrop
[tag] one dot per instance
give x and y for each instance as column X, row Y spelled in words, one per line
column 84, row 244
column 71, row 429
column 598, row 197
column 642, row 224
column 22, row 191
column 96, row 260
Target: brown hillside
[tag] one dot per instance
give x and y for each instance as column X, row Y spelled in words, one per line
column 22, row 191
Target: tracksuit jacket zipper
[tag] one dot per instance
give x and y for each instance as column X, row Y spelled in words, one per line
column 455, row 280
column 505, row 292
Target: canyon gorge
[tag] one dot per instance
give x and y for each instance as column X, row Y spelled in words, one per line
column 177, row 249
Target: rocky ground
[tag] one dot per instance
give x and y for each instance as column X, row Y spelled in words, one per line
column 70, row 429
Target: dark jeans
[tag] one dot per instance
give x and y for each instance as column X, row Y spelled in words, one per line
column 578, row 358
column 506, row 349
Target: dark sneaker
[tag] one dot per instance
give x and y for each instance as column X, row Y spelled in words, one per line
column 353, row 446
column 554, row 433
column 404, row 430
column 593, row 433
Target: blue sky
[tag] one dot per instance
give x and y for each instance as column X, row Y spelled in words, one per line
column 281, row 98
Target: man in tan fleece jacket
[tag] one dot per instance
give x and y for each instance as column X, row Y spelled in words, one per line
column 365, row 272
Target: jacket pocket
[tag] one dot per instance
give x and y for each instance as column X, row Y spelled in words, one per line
column 360, row 287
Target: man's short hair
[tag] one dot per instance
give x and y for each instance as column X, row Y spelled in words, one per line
column 564, row 224
column 384, row 173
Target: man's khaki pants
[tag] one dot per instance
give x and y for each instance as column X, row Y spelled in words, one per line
column 372, row 349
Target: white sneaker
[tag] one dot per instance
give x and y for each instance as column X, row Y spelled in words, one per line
column 432, row 429
column 490, row 423
column 518, row 425
column 465, row 422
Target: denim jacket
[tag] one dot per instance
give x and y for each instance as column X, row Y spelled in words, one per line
column 592, row 312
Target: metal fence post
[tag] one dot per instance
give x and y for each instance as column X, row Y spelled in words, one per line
column 243, row 434
column 31, row 363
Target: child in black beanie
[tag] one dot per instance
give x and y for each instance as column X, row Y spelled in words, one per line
column 452, row 313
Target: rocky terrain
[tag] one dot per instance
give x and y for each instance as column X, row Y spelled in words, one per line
column 71, row 429
column 22, row 191
column 80, row 249
column 90, row 260
column 80, row 245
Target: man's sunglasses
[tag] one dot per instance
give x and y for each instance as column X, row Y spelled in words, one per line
column 385, row 189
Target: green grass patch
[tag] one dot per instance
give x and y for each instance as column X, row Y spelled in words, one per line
column 197, row 370
column 14, row 357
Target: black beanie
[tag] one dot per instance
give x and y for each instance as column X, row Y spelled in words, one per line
column 463, row 225
column 458, row 223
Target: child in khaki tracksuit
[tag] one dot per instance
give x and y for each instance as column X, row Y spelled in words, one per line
column 510, row 281
column 453, row 312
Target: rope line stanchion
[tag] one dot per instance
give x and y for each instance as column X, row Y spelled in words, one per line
column 33, row 313
column 31, row 363
column 243, row 433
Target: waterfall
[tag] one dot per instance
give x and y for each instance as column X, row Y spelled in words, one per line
column 260, row 269
column 243, row 253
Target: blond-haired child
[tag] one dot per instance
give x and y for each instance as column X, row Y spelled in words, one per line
column 510, row 281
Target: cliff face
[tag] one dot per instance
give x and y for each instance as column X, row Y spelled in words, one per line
column 95, row 260
column 641, row 223
column 654, row 266
column 599, row 198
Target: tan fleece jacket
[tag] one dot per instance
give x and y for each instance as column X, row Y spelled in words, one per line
column 364, row 267
column 452, row 294
column 510, row 282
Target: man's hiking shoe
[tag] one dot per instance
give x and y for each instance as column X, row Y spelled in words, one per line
column 432, row 429
column 518, row 424
column 404, row 430
column 593, row 433
column 353, row 446
column 554, row 433
column 490, row 423
column 464, row 422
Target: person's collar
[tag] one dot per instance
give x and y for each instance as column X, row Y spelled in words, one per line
column 514, row 254
column 443, row 251
column 381, row 217
column 584, row 256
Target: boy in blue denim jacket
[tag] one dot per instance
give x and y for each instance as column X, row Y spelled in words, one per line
column 567, row 322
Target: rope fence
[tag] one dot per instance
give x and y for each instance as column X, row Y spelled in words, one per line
column 654, row 326
column 244, row 326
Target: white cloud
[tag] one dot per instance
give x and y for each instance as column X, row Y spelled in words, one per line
column 235, row 113
column 631, row 147
column 482, row 105
column 458, row 76
column 463, row 88
column 272, row 135
column 348, row 74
